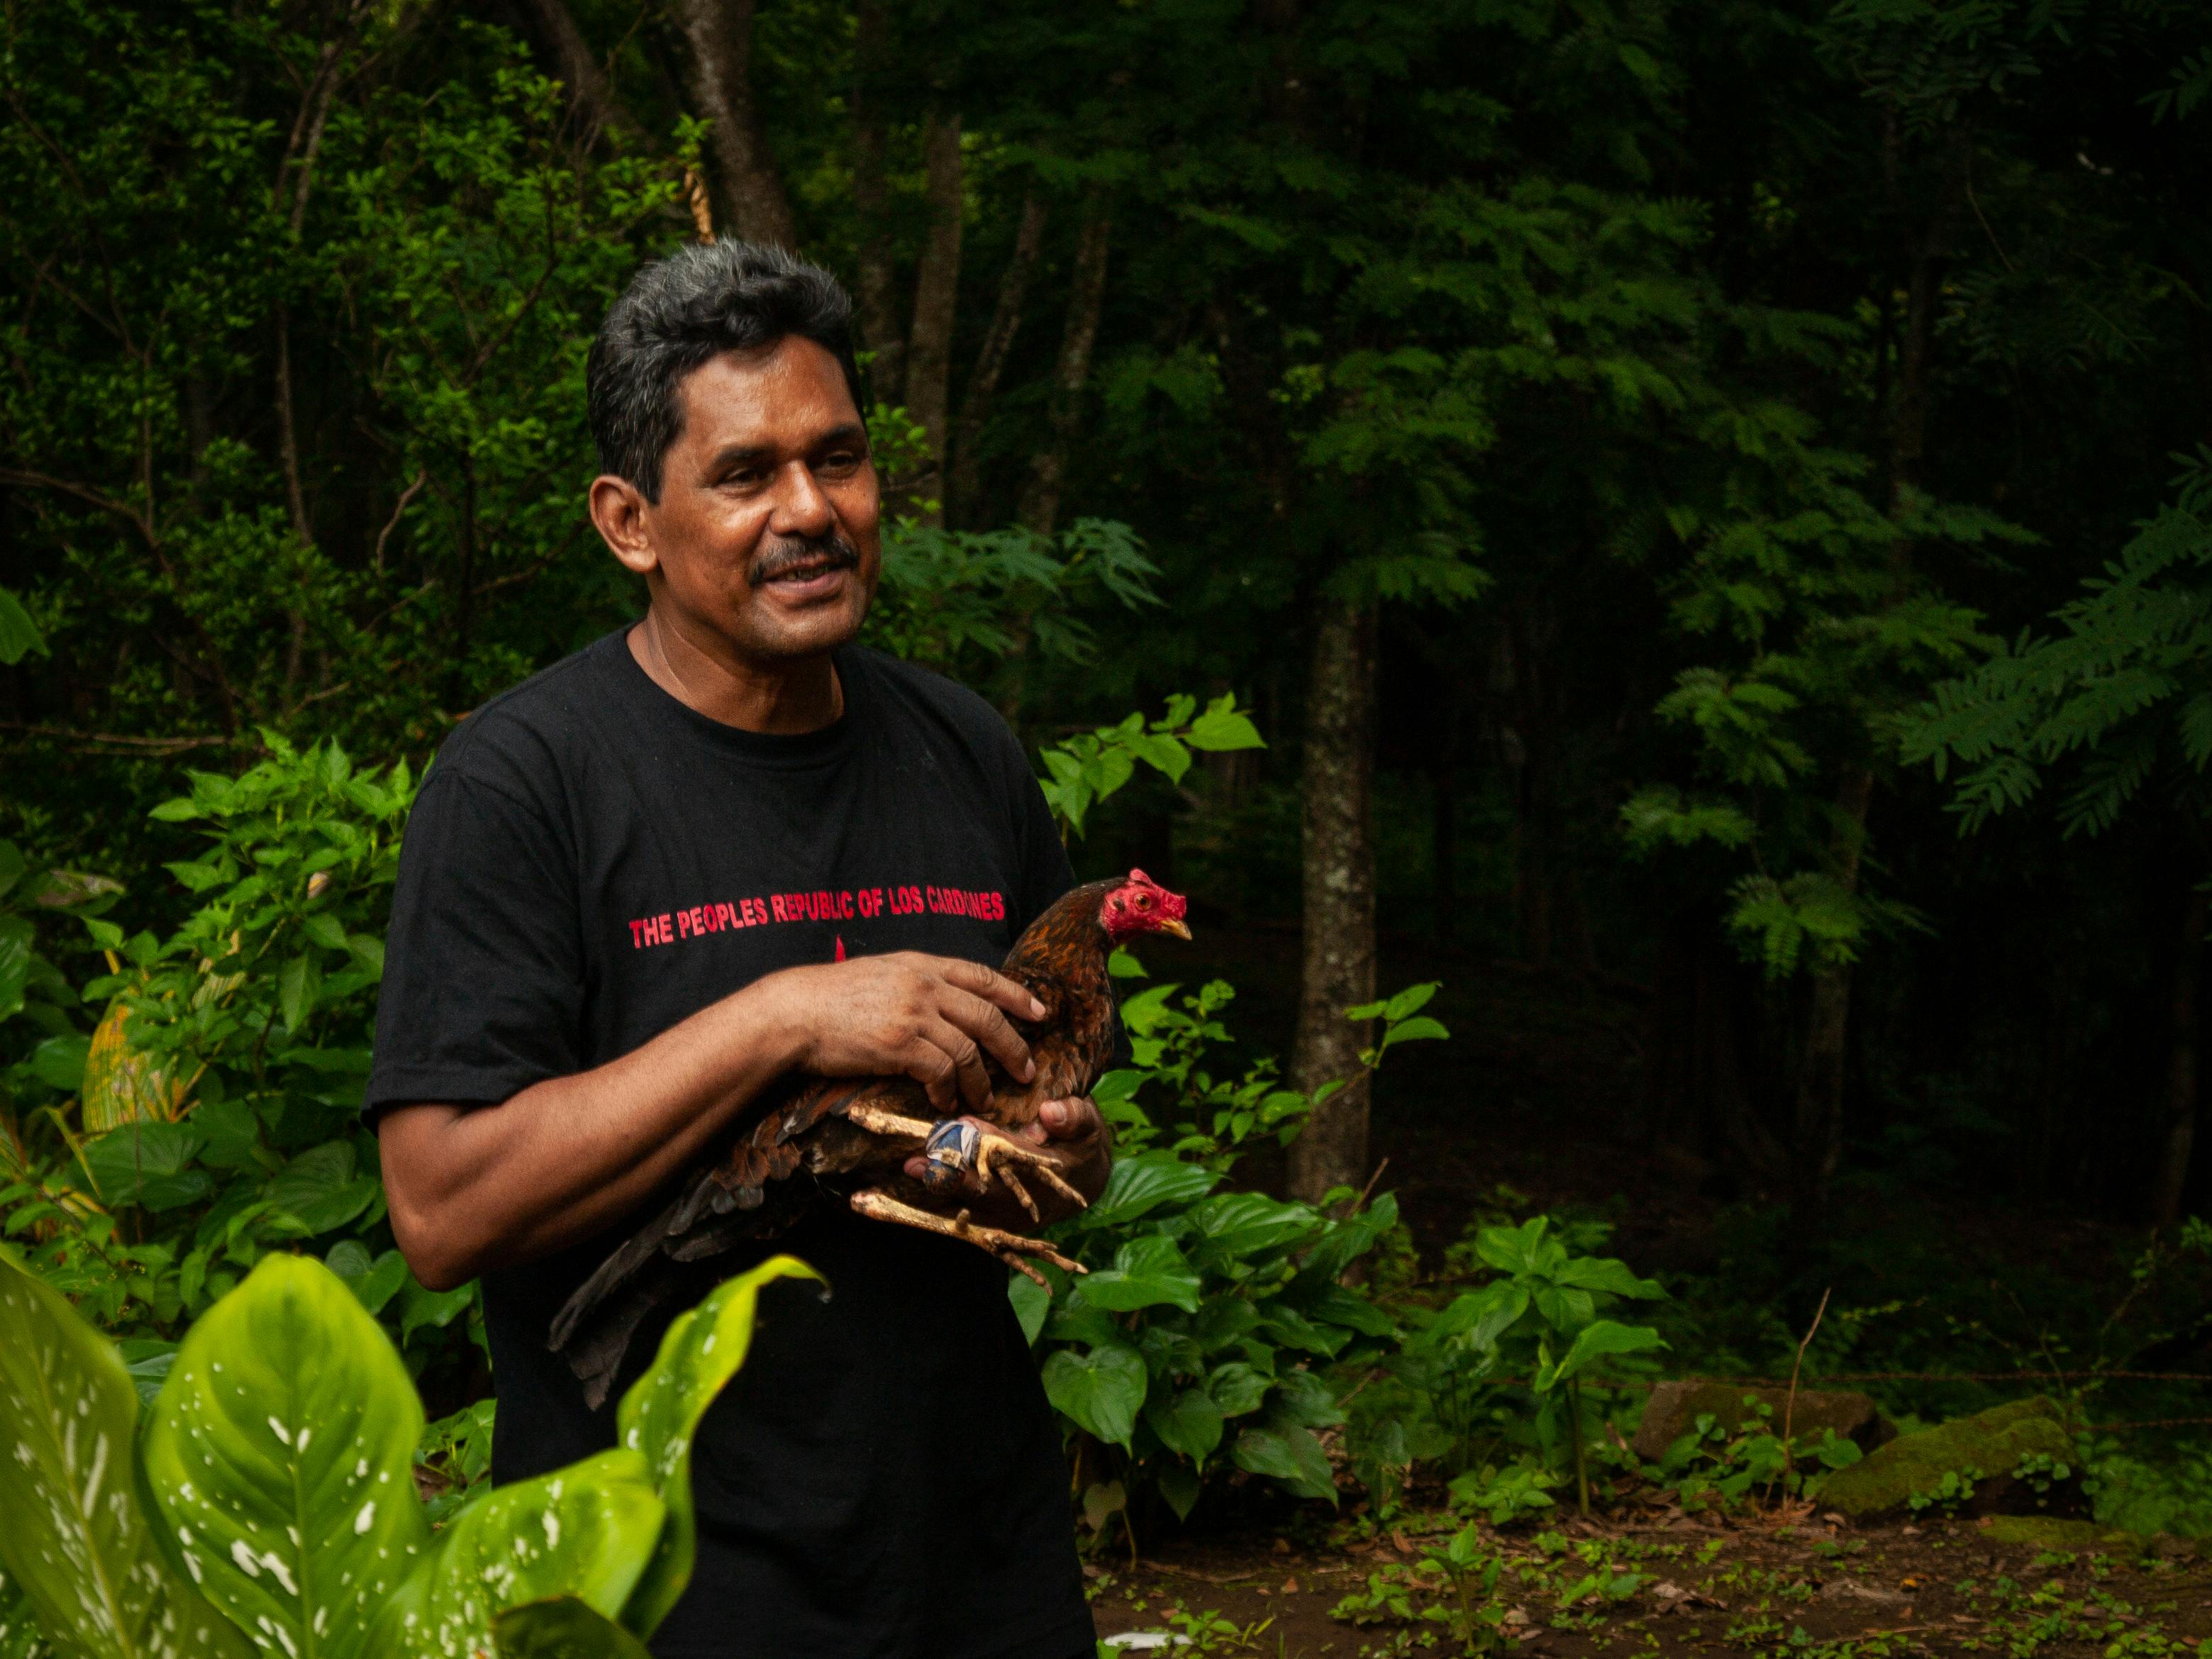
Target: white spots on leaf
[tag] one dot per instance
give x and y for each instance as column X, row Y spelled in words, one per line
column 361, row 1469
column 280, row 1432
column 366, row 1519
column 248, row 1562
column 552, row 1530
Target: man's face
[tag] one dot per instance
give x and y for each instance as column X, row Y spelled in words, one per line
column 767, row 529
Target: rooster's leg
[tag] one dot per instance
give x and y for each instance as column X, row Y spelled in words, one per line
column 892, row 1126
column 1009, row 1248
column 967, row 1146
column 997, row 1148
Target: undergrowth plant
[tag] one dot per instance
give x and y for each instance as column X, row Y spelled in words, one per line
column 265, row 1500
column 1202, row 1338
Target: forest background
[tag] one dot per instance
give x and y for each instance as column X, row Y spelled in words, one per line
column 1707, row 506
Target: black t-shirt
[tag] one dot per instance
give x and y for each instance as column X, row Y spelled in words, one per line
column 590, row 862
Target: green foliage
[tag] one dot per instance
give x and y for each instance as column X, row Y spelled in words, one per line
column 1712, row 1467
column 1535, row 1329
column 1084, row 769
column 2123, row 693
column 276, row 1465
column 287, row 1479
column 73, row 1539
column 962, row 600
column 216, row 1115
column 1203, row 1338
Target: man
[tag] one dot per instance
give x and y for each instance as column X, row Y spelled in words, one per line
column 594, row 968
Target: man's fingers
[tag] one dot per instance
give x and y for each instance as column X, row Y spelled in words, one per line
column 1069, row 1120
column 971, row 1077
column 990, row 1028
column 995, row 986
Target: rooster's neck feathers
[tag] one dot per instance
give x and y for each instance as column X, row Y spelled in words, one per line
column 1065, row 942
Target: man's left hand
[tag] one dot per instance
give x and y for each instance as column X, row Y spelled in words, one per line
column 1070, row 1133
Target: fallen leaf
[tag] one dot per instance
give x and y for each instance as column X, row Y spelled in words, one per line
column 1291, row 1585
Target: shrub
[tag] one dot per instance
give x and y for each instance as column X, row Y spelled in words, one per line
column 267, row 1499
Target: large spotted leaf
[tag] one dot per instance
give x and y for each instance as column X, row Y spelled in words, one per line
column 585, row 1531
column 661, row 1412
column 72, row 1536
column 280, row 1451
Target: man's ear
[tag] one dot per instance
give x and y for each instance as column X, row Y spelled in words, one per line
column 620, row 512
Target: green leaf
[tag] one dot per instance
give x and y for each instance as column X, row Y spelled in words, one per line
column 1179, row 1486
column 297, row 982
column 1419, row 1030
column 147, row 1164
column 1099, row 1391
column 436, row 1308
column 1334, row 1304
column 1141, row 1184
column 1032, row 1302
column 325, row 929
column 562, row 1628
column 281, row 1451
column 1148, row 1270
column 319, row 1190
column 14, row 968
column 1410, row 1001
column 1190, row 1423
column 658, row 1417
column 1289, row 1455
column 1239, row 1224
column 72, row 1535
column 1238, row 1387
column 58, row 1062
column 1221, row 727
column 12, row 866
column 586, row 1531
column 19, row 634
column 1603, row 1273
column 1606, row 1337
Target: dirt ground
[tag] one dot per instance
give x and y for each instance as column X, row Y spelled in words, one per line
column 1815, row 1589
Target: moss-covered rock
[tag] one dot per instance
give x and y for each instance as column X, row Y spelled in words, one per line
column 2050, row 1532
column 2011, row 1459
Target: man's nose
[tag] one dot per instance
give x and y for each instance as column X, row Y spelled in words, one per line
column 800, row 507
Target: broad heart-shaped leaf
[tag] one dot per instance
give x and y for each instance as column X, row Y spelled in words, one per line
column 1606, row 1337
column 1289, row 1454
column 563, row 1628
column 319, row 1190
column 1142, row 1183
column 1188, row 1422
column 1148, row 1270
column 19, row 634
column 1031, row 1301
column 1244, row 1224
column 71, row 1532
column 1181, row 1487
column 658, row 1417
column 585, row 1531
column 281, row 1450
column 1099, row 1391
column 148, row 1164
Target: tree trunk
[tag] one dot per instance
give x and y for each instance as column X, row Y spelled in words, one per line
column 2171, row 1183
column 1339, row 900
column 936, row 296
column 965, row 482
column 1086, row 297
column 718, row 42
column 1820, row 1115
column 593, row 101
column 878, row 295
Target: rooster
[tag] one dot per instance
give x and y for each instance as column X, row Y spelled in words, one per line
column 853, row 1136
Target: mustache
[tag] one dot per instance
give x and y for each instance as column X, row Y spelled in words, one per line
column 788, row 553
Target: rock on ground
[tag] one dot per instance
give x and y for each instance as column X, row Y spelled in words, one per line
column 1986, row 1450
column 1675, row 1407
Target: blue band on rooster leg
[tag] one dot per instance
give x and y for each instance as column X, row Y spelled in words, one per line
column 951, row 1152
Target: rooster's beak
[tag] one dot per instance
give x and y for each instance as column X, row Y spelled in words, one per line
column 1176, row 926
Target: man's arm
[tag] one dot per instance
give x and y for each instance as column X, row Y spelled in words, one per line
column 473, row 1189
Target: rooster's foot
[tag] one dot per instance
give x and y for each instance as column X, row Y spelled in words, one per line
column 961, row 1145
column 1009, row 1248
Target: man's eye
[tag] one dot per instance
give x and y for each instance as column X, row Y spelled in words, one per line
column 843, row 461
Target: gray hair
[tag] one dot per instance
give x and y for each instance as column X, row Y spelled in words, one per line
column 683, row 311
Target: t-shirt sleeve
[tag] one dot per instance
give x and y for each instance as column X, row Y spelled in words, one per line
column 483, row 977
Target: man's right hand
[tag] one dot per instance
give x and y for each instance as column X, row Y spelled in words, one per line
column 907, row 1014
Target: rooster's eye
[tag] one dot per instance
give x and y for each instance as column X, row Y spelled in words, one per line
column 1144, row 900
